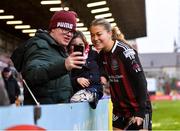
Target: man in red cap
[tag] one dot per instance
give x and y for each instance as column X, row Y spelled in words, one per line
column 46, row 64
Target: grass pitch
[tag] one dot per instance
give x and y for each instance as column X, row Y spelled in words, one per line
column 166, row 115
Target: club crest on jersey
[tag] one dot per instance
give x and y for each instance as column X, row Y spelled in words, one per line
column 65, row 25
column 129, row 53
column 104, row 63
column 114, row 64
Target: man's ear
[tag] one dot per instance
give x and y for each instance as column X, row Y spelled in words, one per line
column 52, row 30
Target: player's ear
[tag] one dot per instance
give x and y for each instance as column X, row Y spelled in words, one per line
column 110, row 34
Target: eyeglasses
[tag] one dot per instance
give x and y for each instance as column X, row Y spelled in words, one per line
column 66, row 31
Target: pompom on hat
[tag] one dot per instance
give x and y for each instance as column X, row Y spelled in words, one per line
column 63, row 19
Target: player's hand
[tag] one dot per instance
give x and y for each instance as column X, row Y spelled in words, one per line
column 138, row 120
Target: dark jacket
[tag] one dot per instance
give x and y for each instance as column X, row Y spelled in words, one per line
column 12, row 88
column 45, row 72
column 4, row 99
column 90, row 71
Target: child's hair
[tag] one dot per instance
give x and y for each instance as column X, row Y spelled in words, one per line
column 79, row 34
column 116, row 33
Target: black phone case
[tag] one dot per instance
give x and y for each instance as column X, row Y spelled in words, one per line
column 78, row 48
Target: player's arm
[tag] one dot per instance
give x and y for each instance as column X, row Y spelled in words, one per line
column 136, row 74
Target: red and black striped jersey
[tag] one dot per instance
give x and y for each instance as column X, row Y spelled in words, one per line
column 128, row 83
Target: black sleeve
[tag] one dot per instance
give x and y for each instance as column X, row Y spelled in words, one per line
column 136, row 76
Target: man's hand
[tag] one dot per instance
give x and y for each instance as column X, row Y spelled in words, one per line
column 74, row 60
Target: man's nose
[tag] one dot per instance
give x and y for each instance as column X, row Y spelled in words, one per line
column 69, row 34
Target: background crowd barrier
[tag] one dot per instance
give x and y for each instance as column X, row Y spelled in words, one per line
column 74, row 116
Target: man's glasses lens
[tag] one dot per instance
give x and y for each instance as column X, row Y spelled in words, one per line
column 65, row 31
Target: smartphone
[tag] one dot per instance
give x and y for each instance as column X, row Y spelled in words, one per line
column 79, row 48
